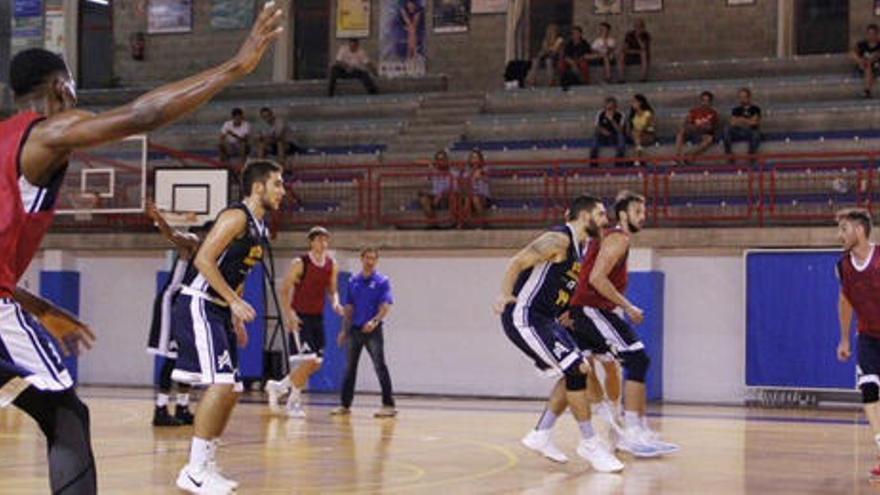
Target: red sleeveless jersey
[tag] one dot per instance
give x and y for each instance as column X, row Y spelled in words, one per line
column 861, row 286
column 586, row 294
column 26, row 211
column 310, row 292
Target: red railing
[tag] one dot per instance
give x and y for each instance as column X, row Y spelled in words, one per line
column 794, row 188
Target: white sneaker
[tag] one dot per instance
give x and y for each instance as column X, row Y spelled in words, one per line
column 652, row 438
column 215, row 471
column 275, row 389
column 541, row 441
column 295, row 410
column 201, row 481
column 599, row 456
column 632, row 441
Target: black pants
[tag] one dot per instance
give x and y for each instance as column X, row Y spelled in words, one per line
column 338, row 72
column 375, row 344
column 64, row 419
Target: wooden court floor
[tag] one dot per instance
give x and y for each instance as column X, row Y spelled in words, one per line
column 455, row 447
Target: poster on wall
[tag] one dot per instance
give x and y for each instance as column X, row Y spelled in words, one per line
column 169, row 16
column 877, row 7
column 28, row 8
column 452, row 16
column 54, row 35
column 642, row 6
column 402, row 38
column 232, row 14
column 489, row 6
column 352, row 18
column 603, row 7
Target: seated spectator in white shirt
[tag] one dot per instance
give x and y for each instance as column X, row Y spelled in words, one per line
column 352, row 62
column 275, row 137
column 605, row 47
column 235, row 136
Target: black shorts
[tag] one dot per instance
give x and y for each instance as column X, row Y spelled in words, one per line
column 603, row 332
column 311, row 339
column 875, row 68
column 868, row 359
column 549, row 345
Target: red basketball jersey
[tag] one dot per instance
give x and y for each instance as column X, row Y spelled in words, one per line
column 26, row 211
column 586, row 294
column 861, row 286
column 311, row 291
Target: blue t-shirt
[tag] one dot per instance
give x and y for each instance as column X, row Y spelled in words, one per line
column 366, row 294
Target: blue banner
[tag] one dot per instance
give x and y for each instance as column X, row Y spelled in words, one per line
column 28, row 8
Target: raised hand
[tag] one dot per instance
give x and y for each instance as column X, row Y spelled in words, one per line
column 266, row 29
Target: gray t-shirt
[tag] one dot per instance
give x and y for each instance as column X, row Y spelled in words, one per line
column 280, row 130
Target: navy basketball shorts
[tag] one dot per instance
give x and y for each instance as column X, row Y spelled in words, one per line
column 311, row 339
column 547, row 343
column 868, row 359
column 207, row 350
column 161, row 341
column 28, row 356
column 604, row 333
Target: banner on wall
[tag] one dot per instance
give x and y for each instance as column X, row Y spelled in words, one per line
column 232, row 14
column 28, row 8
column 489, row 6
column 451, row 16
column 54, row 35
column 169, row 16
column 352, row 18
column 27, row 25
column 402, row 38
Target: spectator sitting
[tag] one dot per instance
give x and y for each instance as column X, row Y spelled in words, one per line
column 444, row 182
column 352, row 62
column 700, row 127
column 640, row 124
column 608, row 131
column 478, row 200
column 235, row 136
column 605, row 47
column 866, row 55
column 635, row 49
column 574, row 68
column 745, row 124
column 548, row 57
column 275, row 137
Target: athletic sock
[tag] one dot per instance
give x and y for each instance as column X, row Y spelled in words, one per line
column 201, row 452
column 587, row 431
column 631, row 419
column 161, row 400
column 548, row 419
column 182, row 400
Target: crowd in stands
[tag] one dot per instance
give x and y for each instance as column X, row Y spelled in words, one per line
column 273, row 137
column 462, row 187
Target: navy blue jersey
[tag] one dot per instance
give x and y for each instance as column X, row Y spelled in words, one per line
column 236, row 261
column 545, row 289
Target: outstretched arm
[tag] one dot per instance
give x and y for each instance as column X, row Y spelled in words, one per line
column 52, row 140
column 547, row 247
column 186, row 244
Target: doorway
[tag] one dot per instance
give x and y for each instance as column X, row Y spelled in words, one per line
column 311, row 39
column 821, row 26
column 95, row 44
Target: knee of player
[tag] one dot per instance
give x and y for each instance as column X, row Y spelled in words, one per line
column 636, row 366
column 870, row 392
column 575, row 380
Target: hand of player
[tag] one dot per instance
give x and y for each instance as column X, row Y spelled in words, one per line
column 502, row 302
column 338, row 309
column 342, row 338
column 636, row 315
column 69, row 331
column 844, row 351
column 242, row 310
column 266, row 29
column 566, row 320
column 152, row 211
column 241, row 334
column 292, row 323
column 585, row 367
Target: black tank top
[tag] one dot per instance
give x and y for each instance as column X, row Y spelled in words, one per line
column 546, row 288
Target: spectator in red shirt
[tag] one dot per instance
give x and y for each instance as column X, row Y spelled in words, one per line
column 635, row 49
column 700, row 127
column 866, row 55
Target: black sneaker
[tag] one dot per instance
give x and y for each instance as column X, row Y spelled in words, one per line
column 182, row 414
column 162, row 418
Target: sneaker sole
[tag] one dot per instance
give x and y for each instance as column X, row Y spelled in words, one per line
column 538, row 451
column 593, row 465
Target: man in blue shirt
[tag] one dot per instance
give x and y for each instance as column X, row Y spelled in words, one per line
column 367, row 303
